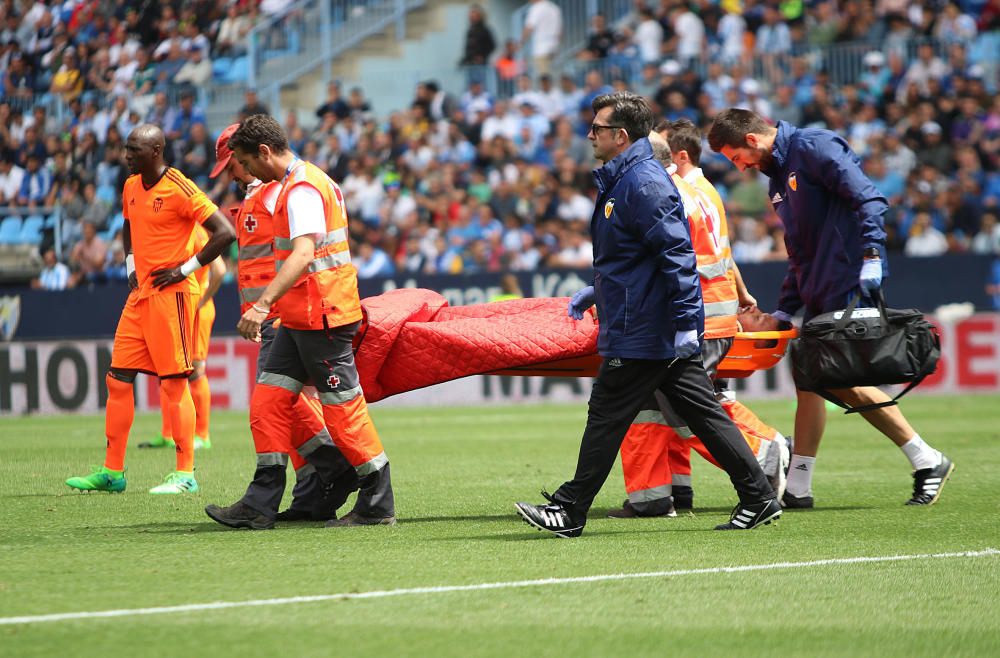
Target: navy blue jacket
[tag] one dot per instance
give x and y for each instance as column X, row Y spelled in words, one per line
column 645, row 272
column 831, row 211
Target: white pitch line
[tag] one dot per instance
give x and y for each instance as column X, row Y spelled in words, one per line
column 443, row 589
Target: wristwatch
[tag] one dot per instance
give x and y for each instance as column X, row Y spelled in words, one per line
column 871, row 252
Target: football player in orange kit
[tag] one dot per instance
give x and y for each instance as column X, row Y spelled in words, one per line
column 209, row 279
column 156, row 331
column 316, row 291
column 656, row 453
column 254, row 220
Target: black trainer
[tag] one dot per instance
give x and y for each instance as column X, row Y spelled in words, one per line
column 352, row 519
column 788, row 501
column 748, row 517
column 334, row 495
column 295, row 514
column 628, row 511
column 239, row 515
column 928, row 482
column 683, row 497
column 552, row 517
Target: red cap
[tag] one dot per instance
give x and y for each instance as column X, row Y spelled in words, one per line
column 222, row 150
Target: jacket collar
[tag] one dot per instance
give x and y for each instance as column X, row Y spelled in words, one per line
column 608, row 174
column 779, row 151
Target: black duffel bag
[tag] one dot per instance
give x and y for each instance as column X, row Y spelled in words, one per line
column 864, row 347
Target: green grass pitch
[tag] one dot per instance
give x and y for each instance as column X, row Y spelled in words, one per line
column 457, row 473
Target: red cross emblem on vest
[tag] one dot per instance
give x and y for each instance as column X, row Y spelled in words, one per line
column 333, row 381
column 250, row 224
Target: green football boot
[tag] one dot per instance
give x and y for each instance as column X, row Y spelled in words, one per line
column 158, row 441
column 102, row 479
column 176, row 483
column 202, row 444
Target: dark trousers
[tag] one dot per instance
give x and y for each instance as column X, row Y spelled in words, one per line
column 619, row 393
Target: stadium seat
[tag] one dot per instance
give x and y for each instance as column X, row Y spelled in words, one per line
column 31, row 229
column 107, row 193
column 10, row 230
column 51, row 221
column 220, row 67
column 238, row 70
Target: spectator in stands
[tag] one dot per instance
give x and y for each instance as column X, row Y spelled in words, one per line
column 36, row 183
column 934, row 150
column 508, row 67
column 648, row 36
column 334, row 103
column 359, row 106
column 924, row 239
column 543, row 25
column 731, row 33
column 11, row 178
column 54, row 276
column 690, row 31
column 231, row 40
column 88, row 256
column 599, row 40
column 987, row 240
column 372, row 262
column 197, row 153
column 18, row 81
column 197, row 70
column 95, row 210
column 479, row 41
column 252, row 105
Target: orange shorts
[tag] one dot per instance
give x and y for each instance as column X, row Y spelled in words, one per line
column 203, row 330
column 156, row 334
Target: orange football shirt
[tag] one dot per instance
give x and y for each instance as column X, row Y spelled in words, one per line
column 162, row 221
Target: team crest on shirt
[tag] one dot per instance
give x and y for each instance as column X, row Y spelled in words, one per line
column 608, row 207
column 157, row 204
column 792, row 182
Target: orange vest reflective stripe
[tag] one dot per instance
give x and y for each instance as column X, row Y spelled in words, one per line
column 326, row 294
column 255, row 237
column 710, row 239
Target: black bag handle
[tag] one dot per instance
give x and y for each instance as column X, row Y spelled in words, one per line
column 855, row 298
column 827, row 395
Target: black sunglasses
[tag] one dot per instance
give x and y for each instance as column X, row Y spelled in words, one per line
column 594, row 127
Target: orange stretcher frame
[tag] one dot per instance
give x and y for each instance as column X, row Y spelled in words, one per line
column 751, row 351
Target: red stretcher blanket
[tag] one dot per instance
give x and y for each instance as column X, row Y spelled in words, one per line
column 411, row 338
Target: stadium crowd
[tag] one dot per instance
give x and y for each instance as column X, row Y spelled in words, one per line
column 475, row 182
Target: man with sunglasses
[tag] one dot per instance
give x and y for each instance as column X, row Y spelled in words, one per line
column 651, row 319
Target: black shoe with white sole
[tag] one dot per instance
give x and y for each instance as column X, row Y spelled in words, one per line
column 789, row 501
column 551, row 516
column 747, row 517
column 928, row 482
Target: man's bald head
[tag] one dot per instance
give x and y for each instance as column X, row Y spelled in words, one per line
column 150, row 134
column 661, row 149
column 144, row 151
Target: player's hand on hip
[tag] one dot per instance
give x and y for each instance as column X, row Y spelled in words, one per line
column 686, row 343
column 580, row 302
column 164, row 278
column 133, row 281
column 871, row 275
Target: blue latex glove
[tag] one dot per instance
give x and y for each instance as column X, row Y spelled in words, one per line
column 685, row 343
column 871, row 275
column 781, row 316
column 581, row 301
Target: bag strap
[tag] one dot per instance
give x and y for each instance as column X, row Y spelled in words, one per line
column 855, row 298
column 827, row 395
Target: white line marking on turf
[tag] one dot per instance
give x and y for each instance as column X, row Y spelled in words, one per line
column 442, row 589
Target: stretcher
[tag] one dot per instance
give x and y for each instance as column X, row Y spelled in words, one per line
column 411, row 338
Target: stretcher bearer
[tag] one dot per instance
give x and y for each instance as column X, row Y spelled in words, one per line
column 311, row 446
column 316, row 293
column 656, row 454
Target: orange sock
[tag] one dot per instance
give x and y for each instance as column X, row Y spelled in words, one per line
column 117, row 421
column 202, row 396
column 165, row 431
column 181, row 420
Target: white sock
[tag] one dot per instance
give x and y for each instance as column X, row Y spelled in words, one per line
column 800, row 476
column 920, row 454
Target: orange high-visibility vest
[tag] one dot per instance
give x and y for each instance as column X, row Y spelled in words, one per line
column 710, row 239
column 255, row 237
column 326, row 294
